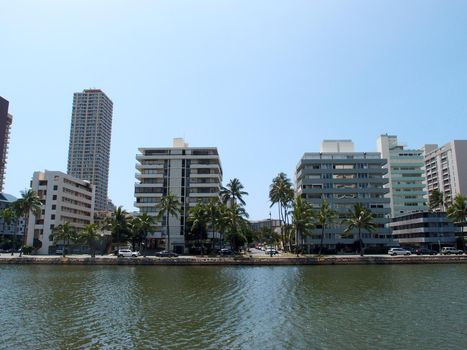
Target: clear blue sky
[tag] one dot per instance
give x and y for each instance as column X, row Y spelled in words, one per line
column 264, row 81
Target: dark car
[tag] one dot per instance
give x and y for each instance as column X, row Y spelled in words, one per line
column 166, row 254
column 425, row 251
column 226, row 251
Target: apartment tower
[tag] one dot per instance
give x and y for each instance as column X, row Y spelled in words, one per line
column 5, row 123
column 65, row 199
column 90, row 136
column 343, row 177
column 406, row 175
column 192, row 174
column 446, row 169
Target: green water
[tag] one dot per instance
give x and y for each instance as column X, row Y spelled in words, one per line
column 306, row 307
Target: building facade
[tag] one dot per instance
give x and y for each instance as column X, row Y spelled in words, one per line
column 6, row 120
column 446, row 169
column 424, row 229
column 405, row 174
column 14, row 227
column 64, row 199
column 192, row 174
column 90, row 137
column 344, row 178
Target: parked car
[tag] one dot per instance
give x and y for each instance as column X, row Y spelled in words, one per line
column 226, row 251
column 166, row 254
column 398, row 251
column 425, row 251
column 412, row 250
column 127, row 253
column 451, row 250
column 271, row 251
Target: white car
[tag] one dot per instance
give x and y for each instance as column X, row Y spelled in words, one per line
column 451, row 250
column 127, row 253
column 398, row 251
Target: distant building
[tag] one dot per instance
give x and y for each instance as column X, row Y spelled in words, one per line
column 6, row 200
column 65, row 199
column 257, row 225
column 90, row 136
column 424, row 229
column 192, row 174
column 343, row 178
column 6, row 120
column 446, row 169
column 406, row 175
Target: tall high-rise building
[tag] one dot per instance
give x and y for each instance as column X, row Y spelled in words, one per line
column 5, row 123
column 406, row 174
column 446, row 169
column 192, row 174
column 90, row 135
column 343, row 178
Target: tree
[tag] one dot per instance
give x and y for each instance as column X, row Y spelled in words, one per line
column 213, row 212
column 89, row 235
column 168, row 206
column 233, row 192
column 199, row 218
column 222, row 221
column 281, row 193
column 324, row 217
column 436, row 200
column 457, row 211
column 302, row 220
column 8, row 215
column 66, row 233
column 28, row 203
column 360, row 218
column 120, row 225
column 142, row 225
column 235, row 218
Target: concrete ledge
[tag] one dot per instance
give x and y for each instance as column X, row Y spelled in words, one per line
column 236, row 261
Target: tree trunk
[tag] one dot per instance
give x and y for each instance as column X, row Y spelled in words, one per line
column 360, row 241
column 168, row 232
column 322, row 240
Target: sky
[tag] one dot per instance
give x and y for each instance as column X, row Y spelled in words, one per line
column 264, row 81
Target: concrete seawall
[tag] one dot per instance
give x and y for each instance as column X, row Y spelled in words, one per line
column 236, row 261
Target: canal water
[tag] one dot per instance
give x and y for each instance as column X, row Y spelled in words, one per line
column 174, row 307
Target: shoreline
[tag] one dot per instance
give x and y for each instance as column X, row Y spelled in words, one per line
column 234, row 261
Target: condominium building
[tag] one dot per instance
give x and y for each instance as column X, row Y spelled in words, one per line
column 90, row 136
column 6, row 120
column 64, row 199
column 13, row 227
column 343, row 178
column 446, row 169
column 192, row 174
column 405, row 174
column 424, row 229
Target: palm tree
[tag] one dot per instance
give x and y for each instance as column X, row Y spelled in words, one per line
column 457, row 211
column 90, row 235
column 120, row 225
column 236, row 223
column 324, row 217
column 168, row 206
column 281, row 193
column 142, row 226
column 199, row 218
column 28, row 203
column 66, row 233
column 8, row 215
column 233, row 192
column 222, row 221
column 360, row 218
column 212, row 209
column 436, row 200
column 302, row 216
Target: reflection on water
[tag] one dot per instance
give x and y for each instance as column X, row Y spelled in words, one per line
column 173, row 307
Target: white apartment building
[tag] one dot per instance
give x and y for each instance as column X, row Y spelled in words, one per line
column 406, row 175
column 192, row 174
column 64, row 199
column 446, row 169
column 344, row 178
